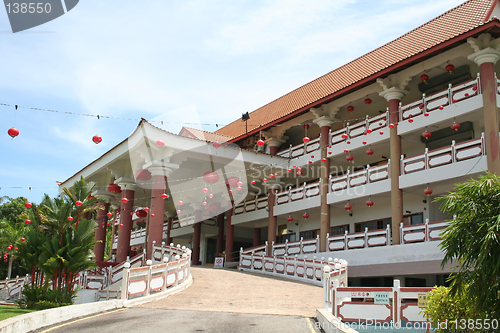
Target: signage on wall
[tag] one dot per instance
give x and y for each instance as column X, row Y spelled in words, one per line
column 219, row 262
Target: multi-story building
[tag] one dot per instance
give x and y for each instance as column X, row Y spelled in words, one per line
column 353, row 159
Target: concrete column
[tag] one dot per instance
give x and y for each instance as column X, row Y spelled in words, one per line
column 155, row 225
column 274, row 145
column 220, row 235
column 123, row 247
column 325, row 124
column 197, row 236
column 100, row 232
column 393, row 96
column 272, row 221
column 256, row 237
column 229, row 234
column 486, row 60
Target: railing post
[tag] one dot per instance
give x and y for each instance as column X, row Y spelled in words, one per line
column 426, row 230
column 453, row 152
column 347, row 130
column 272, row 248
column 286, row 246
column 303, row 191
column 327, row 241
column 265, row 249
column 366, row 237
column 388, row 234
column 401, row 233
column 367, row 174
column 402, row 166
column 424, row 103
column 149, row 262
column 387, row 117
column 301, row 245
column 177, row 266
column 345, row 240
column 450, row 97
column 290, row 151
column 426, row 158
column 389, row 168
column 479, row 83
column 483, row 145
column 367, row 124
column 396, row 303
column 347, row 179
column 295, row 266
column 251, row 258
column 334, row 297
column 317, row 243
column 164, row 287
column 125, row 278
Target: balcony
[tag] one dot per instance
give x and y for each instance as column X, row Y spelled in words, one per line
column 298, row 198
column 452, row 102
column 250, row 210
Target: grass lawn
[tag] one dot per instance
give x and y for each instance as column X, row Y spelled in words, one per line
column 11, row 311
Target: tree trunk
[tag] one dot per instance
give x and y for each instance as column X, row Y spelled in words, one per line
column 9, row 269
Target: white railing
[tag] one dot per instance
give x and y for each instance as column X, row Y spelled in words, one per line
column 301, row 149
column 261, row 249
column 442, row 156
column 116, row 272
column 304, row 191
column 422, row 232
column 393, row 303
column 359, row 240
column 144, row 281
column 298, row 247
column 440, row 99
column 13, row 288
column 361, row 177
column 251, row 205
column 302, row 269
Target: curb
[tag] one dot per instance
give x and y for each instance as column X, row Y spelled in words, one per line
column 331, row 324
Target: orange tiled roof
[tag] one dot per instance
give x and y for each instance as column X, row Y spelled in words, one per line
column 204, row 135
column 444, row 27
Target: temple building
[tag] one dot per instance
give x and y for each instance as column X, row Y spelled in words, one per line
column 347, row 165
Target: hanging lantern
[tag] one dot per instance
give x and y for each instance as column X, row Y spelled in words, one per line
column 164, row 196
column 109, row 214
column 239, row 188
column 141, row 213
column 232, row 182
column 253, row 182
column 323, row 159
column 350, row 108
column 369, row 202
column 310, row 162
column 211, row 177
column 410, row 120
column 305, row 215
column 78, row 203
column 22, row 239
column 348, row 142
column 346, row 151
column 424, row 77
column 348, row 207
column 264, row 180
column 289, row 170
column 178, row 211
column 428, row 191
column 329, row 152
column 27, row 204
column 369, row 130
column 240, row 183
column 349, row 158
column 27, row 221
column 299, row 168
column 115, row 189
column 204, row 203
column 381, row 132
column 152, row 215
column 369, row 152
column 294, row 166
column 216, row 144
column 230, row 191
column 210, row 195
column 289, row 218
column 180, row 203
column 146, row 209
column 160, row 143
column 306, row 139
column 121, row 225
column 345, row 136
column 205, row 190
column 124, row 200
column 426, row 134
column 13, row 132
column 391, row 125
column 364, row 142
column 70, row 218
column 96, row 139
column 426, row 114
column 455, row 126
column 271, row 176
column 260, row 142
column 450, row 68
column 368, row 101
column 143, row 174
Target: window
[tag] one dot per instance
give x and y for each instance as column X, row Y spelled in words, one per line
column 283, row 238
column 310, row 234
column 372, row 225
column 339, row 230
column 417, row 219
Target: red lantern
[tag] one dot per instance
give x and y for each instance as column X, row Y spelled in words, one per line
column 210, row 195
column 143, row 174
column 160, row 143
column 146, row 209
column 271, row 176
column 164, row 196
column 96, row 139
column 216, row 144
column 349, row 158
column 260, row 142
column 27, row 221
column 124, row 200
column 346, row 150
column 204, row 203
column 181, row 203
column 306, row 139
column 288, row 170
column 152, row 215
column 369, row 202
column 178, row 211
column 305, row 215
column 78, row 203
column 28, row 205
column 426, row 114
column 13, row 132
column 299, row 168
column 109, row 214
column 289, row 219
column 230, row 191
column 22, row 239
column 70, row 218
column 264, row 180
column 205, row 190
column 240, row 183
column 410, row 120
column 141, row 213
column 115, row 189
column 369, row 130
column 344, row 136
column 323, row 159
column 310, row 162
column 424, row 77
column 211, row 177
column 381, row 132
column 426, row 135
column 350, row 108
column 364, row 142
column 369, row 152
column 239, row 188
column 348, row 207
column 121, row 225
column 391, row 125
column 428, row 191
column 368, row 101
column 455, row 126
column 450, row 68
column 232, row 182
column 253, row 182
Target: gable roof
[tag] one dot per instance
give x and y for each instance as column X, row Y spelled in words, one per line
column 204, row 135
column 453, row 23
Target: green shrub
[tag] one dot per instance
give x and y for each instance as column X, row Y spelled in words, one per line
column 40, row 298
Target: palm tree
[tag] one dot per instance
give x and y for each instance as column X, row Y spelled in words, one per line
column 10, row 239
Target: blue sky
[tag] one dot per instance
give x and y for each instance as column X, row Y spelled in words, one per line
column 146, row 58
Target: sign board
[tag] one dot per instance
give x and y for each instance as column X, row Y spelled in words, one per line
column 219, row 262
column 361, row 294
column 381, row 298
column 423, row 301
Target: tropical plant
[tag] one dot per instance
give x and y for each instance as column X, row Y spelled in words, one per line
column 473, row 242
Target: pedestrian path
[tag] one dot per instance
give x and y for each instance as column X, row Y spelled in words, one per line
column 226, row 290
